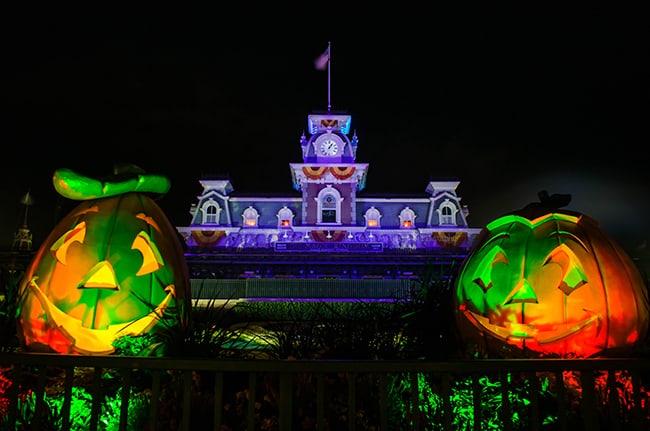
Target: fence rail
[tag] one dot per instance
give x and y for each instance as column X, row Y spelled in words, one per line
column 586, row 394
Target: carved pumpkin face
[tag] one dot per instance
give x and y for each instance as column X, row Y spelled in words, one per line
column 112, row 267
column 550, row 285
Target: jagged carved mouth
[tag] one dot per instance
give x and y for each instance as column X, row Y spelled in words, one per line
column 98, row 341
column 514, row 332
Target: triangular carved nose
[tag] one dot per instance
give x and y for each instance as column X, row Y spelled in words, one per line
column 523, row 293
column 101, row 276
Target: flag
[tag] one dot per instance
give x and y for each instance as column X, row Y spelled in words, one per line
column 27, row 199
column 321, row 62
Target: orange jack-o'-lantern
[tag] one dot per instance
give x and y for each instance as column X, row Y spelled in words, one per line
column 112, row 267
column 548, row 283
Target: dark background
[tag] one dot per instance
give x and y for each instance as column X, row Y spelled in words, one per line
column 507, row 101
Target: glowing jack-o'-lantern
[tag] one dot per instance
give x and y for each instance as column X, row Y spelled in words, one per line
column 112, row 267
column 549, row 283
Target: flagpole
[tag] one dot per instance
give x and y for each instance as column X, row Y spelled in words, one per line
column 321, row 62
column 27, row 201
column 329, row 79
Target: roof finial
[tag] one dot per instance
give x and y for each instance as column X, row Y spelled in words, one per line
column 23, row 236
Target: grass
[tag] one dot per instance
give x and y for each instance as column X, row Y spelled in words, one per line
column 420, row 328
column 274, row 330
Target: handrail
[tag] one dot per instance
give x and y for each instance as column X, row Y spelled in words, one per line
column 324, row 365
column 283, row 375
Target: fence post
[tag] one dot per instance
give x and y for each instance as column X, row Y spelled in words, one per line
column 286, row 402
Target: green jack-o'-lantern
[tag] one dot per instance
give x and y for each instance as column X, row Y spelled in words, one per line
column 112, row 267
column 544, row 282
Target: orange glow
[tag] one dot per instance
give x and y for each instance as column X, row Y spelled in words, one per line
column 250, row 222
column 112, row 267
column 552, row 285
column 407, row 223
column 372, row 223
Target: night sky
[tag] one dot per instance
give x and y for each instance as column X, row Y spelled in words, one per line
column 508, row 102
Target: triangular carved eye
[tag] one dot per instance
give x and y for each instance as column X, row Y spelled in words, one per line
column 485, row 268
column 573, row 276
column 151, row 258
column 75, row 235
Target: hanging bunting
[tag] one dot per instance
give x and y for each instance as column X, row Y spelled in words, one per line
column 342, row 173
column 449, row 239
column 207, row 238
column 314, row 173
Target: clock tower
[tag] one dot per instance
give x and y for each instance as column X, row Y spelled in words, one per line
column 329, row 178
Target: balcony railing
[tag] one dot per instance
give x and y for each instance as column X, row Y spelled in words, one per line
column 297, row 289
column 584, row 394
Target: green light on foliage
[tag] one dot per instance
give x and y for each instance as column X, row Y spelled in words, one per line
column 431, row 404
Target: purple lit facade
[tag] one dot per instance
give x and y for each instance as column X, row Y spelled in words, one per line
column 328, row 231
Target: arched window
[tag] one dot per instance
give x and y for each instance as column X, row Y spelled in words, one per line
column 329, row 205
column 447, row 213
column 250, row 216
column 210, row 211
column 407, row 218
column 372, row 217
column 285, row 217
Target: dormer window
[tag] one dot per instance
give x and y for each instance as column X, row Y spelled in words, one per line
column 447, row 213
column 210, row 211
column 285, row 217
column 407, row 218
column 372, row 217
column 251, row 217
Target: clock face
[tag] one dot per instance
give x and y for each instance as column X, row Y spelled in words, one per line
column 329, row 147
